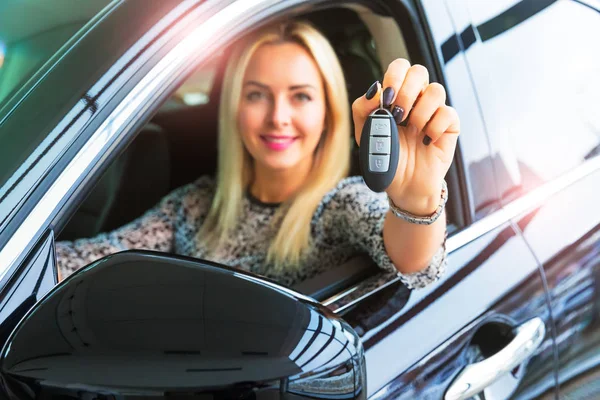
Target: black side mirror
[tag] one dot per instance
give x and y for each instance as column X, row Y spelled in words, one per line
column 148, row 325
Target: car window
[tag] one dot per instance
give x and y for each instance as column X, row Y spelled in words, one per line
column 196, row 89
column 537, row 72
column 182, row 139
column 26, row 47
column 183, row 142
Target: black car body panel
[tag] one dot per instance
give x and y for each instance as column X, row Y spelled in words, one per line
column 571, row 259
column 35, row 278
column 147, row 324
column 420, row 348
column 550, row 182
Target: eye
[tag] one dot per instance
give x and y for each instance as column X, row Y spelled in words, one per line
column 255, row 96
column 302, row 97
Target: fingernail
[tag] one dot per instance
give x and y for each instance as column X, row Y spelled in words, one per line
column 372, row 90
column 388, row 96
column 426, row 140
column 405, row 122
column 398, row 113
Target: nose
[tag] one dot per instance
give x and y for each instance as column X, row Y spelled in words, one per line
column 281, row 114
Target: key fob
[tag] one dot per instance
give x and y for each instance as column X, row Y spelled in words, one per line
column 379, row 150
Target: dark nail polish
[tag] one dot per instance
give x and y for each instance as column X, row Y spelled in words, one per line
column 388, row 96
column 398, row 113
column 372, row 90
column 426, row 140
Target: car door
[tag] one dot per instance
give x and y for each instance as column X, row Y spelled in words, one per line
column 452, row 339
column 552, row 156
column 416, row 346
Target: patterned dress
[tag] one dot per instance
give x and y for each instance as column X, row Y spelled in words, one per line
column 347, row 222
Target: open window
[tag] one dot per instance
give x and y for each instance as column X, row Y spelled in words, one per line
column 178, row 143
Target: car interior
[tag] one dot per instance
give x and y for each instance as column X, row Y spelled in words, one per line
column 179, row 143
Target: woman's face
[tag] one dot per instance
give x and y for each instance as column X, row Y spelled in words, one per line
column 282, row 108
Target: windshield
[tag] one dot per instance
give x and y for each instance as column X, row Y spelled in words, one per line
column 31, row 33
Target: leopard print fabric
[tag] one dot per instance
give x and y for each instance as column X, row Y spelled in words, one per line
column 348, row 221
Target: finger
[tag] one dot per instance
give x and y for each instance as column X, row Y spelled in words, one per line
column 426, row 105
column 393, row 79
column 417, row 79
column 444, row 123
column 361, row 108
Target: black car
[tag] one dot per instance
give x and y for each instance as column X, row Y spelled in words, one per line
column 107, row 106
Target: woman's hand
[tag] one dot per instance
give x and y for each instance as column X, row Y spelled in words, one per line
column 428, row 140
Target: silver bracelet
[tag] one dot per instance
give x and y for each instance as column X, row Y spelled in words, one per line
column 415, row 219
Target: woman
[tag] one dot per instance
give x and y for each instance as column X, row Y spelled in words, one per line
column 280, row 205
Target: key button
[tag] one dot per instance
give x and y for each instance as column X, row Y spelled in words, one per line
column 379, row 163
column 380, row 145
column 380, row 127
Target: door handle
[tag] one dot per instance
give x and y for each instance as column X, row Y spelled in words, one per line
column 476, row 377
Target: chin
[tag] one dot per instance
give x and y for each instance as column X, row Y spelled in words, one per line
column 281, row 164
column 280, row 161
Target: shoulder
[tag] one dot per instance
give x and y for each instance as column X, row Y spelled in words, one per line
column 200, row 189
column 352, row 194
column 205, row 182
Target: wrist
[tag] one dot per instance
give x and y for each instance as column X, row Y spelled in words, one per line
column 422, row 207
column 420, row 204
column 417, row 205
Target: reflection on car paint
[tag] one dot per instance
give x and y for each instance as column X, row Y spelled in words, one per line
column 36, row 277
column 413, row 343
column 142, row 323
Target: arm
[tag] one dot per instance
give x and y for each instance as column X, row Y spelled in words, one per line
column 357, row 217
column 152, row 231
column 411, row 247
column 427, row 145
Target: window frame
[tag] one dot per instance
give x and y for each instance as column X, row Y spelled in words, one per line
column 422, row 50
column 99, row 142
column 148, row 103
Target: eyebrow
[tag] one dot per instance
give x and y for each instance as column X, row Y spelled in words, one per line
column 293, row 87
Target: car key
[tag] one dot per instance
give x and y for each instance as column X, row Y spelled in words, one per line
column 379, row 150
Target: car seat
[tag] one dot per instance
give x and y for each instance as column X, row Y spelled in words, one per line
column 133, row 183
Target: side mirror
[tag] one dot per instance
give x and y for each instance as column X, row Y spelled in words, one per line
column 141, row 324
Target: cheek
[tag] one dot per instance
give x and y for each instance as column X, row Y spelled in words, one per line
column 313, row 120
column 247, row 126
column 250, row 119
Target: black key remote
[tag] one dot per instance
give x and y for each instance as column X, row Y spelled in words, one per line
column 379, row 150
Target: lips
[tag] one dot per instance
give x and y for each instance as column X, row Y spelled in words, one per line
column 277, row 139
column 278, row 142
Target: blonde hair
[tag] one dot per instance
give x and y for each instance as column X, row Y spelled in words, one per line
column 235, row 166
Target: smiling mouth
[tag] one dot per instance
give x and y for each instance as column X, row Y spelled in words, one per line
column 278, row 139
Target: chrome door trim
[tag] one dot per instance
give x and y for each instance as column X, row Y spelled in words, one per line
column 528, row 202
column 134, row 103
